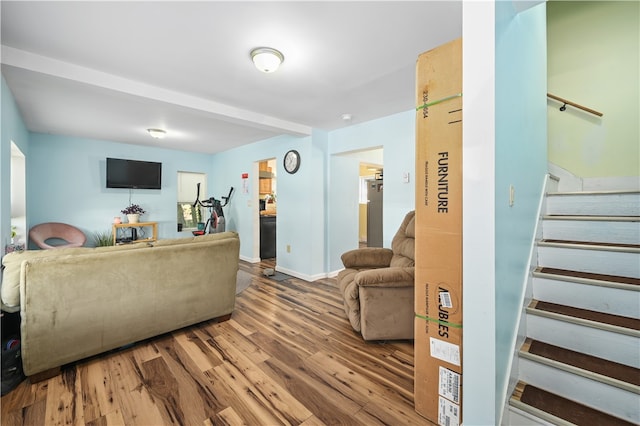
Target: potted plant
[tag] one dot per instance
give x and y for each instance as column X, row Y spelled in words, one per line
column 103, row 239
column 133, row 212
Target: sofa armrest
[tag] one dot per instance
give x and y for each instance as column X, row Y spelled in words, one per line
column 386, row 277
column 369, row 257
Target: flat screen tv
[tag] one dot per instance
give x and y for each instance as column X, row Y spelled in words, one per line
column 123, row 173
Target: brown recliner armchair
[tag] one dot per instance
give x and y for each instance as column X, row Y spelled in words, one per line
column 377, row 286
column 70, row 235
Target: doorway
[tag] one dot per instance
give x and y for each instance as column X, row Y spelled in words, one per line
column 374, row 211
column 18, row 196
column 267, row 208
column 370, row 205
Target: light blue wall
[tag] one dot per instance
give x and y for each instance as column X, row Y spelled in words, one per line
column 66, row 183
column 13, row 129
column 521, row 161
column 317, row 208
column 343, row 214
column 396, row 135
column 300, row 199
column 318, row 213
column 71, row 172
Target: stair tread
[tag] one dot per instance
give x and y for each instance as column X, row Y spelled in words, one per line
column 591, row 363
column 564, row 408
column 591, row 243
column 587, row 217
column 589, row 276
column 616, row 320
column 602, row 192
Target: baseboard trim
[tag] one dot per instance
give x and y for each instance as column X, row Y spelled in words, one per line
column 250, row 259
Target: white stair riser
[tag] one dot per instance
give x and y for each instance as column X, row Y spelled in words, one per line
column 625, row 264
column 619, row 232
column 518, row 417
column 605, row 344
column 609, row 300
column 595, row 204
column 609, row 399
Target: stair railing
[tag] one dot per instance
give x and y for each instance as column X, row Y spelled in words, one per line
column 566, row 102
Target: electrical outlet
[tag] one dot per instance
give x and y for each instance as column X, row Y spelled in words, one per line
column 512, row 195
column 288, row 248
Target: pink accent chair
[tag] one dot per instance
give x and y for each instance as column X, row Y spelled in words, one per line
column 73, row 237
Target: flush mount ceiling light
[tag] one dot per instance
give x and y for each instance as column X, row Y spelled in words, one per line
column 266, row 59
column 157, row 133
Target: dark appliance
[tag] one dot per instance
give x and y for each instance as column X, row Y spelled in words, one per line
column 374, row 212
column 135, row 174
column 267, row 237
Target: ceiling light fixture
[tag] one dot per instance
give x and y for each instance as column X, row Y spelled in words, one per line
column 157, row 133
column 266, row 59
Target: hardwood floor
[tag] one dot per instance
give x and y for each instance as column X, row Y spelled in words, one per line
column 287, row 356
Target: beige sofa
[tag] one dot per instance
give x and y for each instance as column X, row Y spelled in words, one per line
column 79, row 302
column 377, row 286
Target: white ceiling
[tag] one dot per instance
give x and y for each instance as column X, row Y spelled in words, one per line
column 110, row 70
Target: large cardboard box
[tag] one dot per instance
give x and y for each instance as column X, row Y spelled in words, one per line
column 438, row 291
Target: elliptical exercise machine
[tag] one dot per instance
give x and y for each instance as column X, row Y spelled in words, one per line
column 215, row 222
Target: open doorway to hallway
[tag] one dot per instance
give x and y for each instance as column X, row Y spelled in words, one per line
column 370, row 205
column 267, row 208
column 370, row 164
column 19, row 234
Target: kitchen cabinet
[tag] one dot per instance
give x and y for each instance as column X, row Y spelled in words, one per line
column 265, row 186
column 265, row 178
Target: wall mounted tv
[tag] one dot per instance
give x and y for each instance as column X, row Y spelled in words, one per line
column 123, row 173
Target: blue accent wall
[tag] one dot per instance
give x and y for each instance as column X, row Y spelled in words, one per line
column 317, row 207
column 67, row 183
column 521, row 161
column 395, row 134
column 12, row 129
column 300, row 200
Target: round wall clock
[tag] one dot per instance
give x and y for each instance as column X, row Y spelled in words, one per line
column 292, row 161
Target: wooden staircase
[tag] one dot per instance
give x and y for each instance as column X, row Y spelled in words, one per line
column 580, row 360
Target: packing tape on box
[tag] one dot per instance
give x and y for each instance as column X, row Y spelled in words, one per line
column 426, row 105
column 439, row 321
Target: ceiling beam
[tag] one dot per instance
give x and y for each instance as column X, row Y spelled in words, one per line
column 45, row 65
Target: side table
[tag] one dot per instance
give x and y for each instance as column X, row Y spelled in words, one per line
column 121, row 226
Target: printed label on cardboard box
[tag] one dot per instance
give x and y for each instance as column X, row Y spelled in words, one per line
column 448, row 413
column 449, row 312
column 445, row 300
column 445, row 351
column 425, row 305
column 449, row 385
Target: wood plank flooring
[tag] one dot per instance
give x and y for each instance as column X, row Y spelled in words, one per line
column 286, row 356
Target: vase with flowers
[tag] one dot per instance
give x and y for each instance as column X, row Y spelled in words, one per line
column 133, row 212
